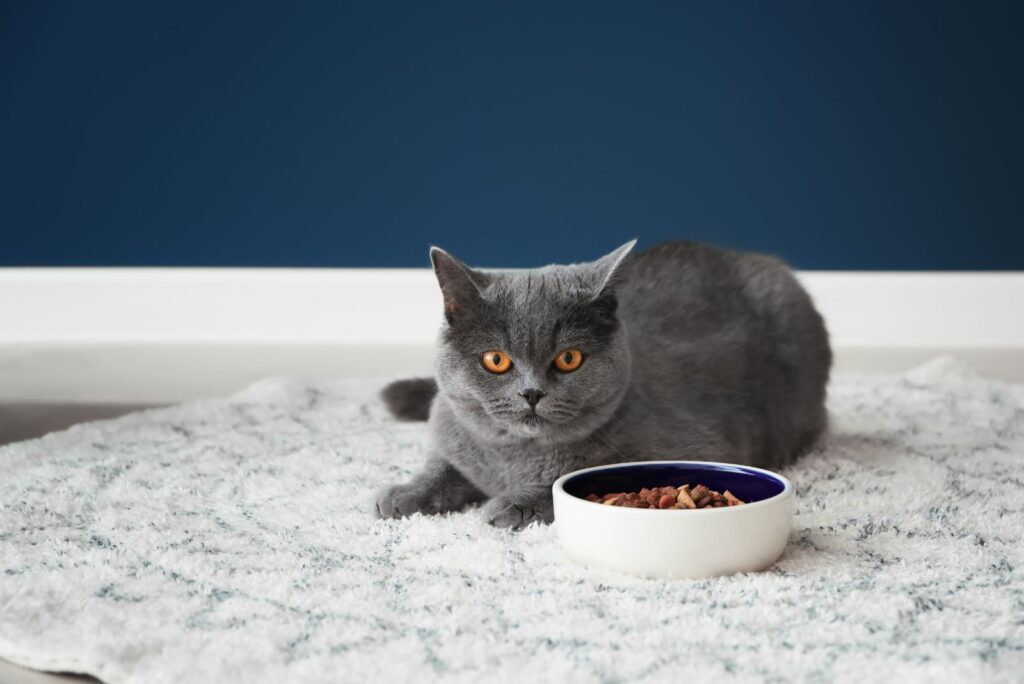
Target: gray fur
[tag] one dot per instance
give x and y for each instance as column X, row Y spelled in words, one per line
column 410, row 399
column 691, row 352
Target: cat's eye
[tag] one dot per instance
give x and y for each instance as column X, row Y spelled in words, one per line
column 496, row 362
column 568, row 360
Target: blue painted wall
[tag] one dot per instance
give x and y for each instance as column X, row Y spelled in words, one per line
column 854, row 135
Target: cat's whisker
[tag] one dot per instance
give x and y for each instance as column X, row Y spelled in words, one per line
column 597, row 435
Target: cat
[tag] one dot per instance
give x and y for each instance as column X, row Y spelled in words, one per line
column 684, row 351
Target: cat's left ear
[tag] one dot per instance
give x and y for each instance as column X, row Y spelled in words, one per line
column 460, row 285
column 607, row 266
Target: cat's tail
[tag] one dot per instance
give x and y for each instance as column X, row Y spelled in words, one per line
column 410, row 399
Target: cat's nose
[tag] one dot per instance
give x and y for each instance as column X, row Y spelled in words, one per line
column 532, row 396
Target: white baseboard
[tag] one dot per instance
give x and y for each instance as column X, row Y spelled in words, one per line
column 157, row 335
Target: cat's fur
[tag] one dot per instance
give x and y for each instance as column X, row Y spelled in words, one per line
column 691, row 352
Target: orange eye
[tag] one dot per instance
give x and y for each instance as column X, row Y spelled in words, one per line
column 569, row 360
column 496, row 362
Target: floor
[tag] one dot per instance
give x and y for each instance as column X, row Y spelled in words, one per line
column 26, row 421
column 12, row 674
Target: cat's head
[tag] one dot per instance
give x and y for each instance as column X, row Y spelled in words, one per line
column 532, row 354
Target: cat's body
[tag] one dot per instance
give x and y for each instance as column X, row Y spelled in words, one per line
column 690, row 352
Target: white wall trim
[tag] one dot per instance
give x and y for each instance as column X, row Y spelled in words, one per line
column 161, row 335
column 402, row 306
column 139, row 305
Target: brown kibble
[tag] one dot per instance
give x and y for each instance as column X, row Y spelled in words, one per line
column 679, row 498
column 731, row 498
column 684, row 500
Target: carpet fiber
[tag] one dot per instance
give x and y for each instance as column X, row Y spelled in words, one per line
column 230, row 540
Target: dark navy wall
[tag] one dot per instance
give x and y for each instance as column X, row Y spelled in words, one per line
column 857, row 135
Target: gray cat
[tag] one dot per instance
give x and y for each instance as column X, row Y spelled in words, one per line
column 685, row 351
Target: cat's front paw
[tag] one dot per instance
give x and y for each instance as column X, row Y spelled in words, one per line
column 506, row 512
column 401, row 501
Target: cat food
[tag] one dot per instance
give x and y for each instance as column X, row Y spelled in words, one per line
column 669, row 497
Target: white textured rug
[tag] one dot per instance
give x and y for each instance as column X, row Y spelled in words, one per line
column 229, row 540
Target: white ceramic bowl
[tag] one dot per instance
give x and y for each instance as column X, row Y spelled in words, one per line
column 674, row 543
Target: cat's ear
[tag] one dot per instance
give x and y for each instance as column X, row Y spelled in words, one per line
column 460, row 285
column 605, row 268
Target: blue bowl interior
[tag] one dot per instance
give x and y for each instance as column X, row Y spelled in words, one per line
column 748, row 485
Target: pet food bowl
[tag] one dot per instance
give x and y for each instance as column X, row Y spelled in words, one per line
column 682, row 543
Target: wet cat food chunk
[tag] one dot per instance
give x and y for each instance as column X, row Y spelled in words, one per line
column 683, row 496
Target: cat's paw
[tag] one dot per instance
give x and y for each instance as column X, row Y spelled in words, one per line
column 504, row 512
column 400, row 501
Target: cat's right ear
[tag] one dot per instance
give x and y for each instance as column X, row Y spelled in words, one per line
column 460, row 285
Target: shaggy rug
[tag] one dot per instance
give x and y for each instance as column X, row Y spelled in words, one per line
column 230, row 540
